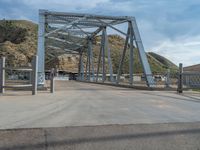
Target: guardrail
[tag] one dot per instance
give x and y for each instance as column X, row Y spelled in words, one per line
column 188, row 80
column 32, row 70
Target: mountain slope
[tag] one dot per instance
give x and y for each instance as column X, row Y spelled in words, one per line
column 18, row 41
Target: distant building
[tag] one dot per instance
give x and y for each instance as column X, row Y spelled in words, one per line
column 193, row 68
column 62, row 75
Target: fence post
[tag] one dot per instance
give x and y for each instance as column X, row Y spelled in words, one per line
column 180, row 79
column 34, row 74
column 52, row 80
column 2, row 75
column 167, row 82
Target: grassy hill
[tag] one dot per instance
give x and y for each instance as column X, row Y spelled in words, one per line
column 18, row 42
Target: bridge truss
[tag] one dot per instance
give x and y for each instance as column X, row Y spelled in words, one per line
column 73, row 33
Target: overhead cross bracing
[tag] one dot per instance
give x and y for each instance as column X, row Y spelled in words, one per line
column 74, row 33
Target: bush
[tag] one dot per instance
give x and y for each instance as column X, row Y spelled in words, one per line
column 10, row 32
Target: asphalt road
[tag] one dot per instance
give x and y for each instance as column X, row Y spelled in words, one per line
column 81, row 116
column 173, row 136
column 82, row 104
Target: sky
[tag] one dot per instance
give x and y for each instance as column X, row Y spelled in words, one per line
column 170, row 28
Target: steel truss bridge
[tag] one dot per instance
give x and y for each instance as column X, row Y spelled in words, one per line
column 73, row 33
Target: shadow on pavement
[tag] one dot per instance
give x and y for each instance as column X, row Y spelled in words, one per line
column 184, row 97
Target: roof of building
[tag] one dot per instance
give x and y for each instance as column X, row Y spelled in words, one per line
column 195, row 68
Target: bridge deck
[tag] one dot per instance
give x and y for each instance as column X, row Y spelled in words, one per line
column 77, row 104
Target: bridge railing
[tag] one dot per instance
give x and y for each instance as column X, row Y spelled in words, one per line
column 170, row 80
column 17, row 83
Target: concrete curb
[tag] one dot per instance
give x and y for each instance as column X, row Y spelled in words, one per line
column 132, row 87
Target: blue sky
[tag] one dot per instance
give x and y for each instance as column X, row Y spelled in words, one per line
column 168, row 27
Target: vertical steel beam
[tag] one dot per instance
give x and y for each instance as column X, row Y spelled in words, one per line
column 122, row 57
column 89, row 61
column 99, row 61
column 2, row 75
column 91, row 57
column 41, row 48
column 103, row 55
column 131, row 55
column 34, row 74
column 142, row 54
column 86, row 69
column 81, row 67
column 108, row 52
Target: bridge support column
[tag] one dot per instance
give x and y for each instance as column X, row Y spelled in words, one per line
column 106, row 47
column 81, row 67
column 99, row 60
column 103, row 56
column 88, row 64
column 131, row 55
column 91, row 57
column 41, row 49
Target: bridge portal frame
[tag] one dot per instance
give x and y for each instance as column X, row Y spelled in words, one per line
column 77, row 25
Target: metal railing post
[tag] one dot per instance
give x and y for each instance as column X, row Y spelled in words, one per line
column 2, row 75
column 34, row 74
column 52, row 80
column 180, row 79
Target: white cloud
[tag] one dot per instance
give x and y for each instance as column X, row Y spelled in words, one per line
column 67, row 4
column 184, row 50
column 168, row 27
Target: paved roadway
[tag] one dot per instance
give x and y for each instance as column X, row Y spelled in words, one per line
column 174, row 136
column 78, row 104
column 96, row 117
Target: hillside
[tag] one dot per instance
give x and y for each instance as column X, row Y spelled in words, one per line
column 18, row 42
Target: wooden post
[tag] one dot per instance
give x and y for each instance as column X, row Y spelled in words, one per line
column 34, row 74
column 180, row 79
column 2, row 75
column 52, row 80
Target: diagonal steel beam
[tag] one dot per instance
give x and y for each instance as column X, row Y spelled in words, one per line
column 122, row 57
column 64, row 41
column 143, row 58
column 106, row 24
column 67, row 26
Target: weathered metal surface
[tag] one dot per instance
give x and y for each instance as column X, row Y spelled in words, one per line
column 64, row 28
